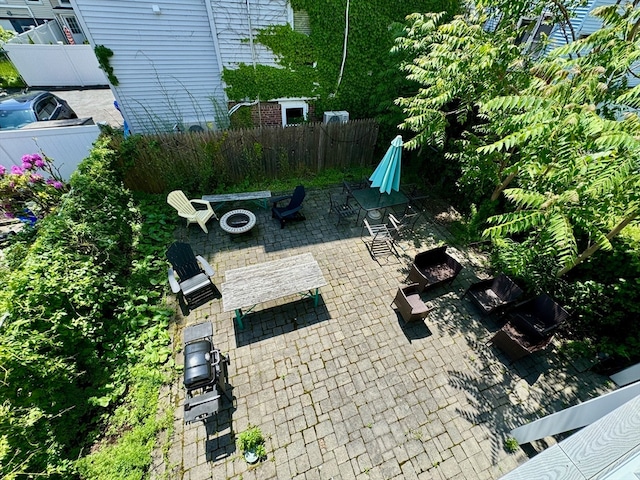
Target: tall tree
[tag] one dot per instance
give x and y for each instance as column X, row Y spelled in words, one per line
column 556, row 134
column 578, row 174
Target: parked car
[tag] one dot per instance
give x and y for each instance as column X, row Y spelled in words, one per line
column 19, row 110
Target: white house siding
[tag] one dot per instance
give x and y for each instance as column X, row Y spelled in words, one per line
column 232, row 20
column 166, row 61
column 560, row 34
column 585, row 24
column 40, row 10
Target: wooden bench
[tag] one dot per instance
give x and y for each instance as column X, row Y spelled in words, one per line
column 261, row 198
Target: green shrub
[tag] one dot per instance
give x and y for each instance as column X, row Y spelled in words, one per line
column 9, row 76
column 82, row 300
column 511, row 445
column 252, row 440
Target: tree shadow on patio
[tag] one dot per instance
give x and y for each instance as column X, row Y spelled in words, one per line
column 504, row 396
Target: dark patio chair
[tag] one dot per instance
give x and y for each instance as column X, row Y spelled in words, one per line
column 433, row 268
column 349, row 184
column 292, row 210
column 409, row 303
column 405, row 223
column 190, row 276
column 342, row 210
column 530, row 327
column 494, row 294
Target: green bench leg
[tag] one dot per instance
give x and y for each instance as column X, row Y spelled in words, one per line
column 239, row 318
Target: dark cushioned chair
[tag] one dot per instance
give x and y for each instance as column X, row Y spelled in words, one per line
column 409, row 303
column 190, row 275
column 433, row 268
column 530, row 327
column 494, row 294
column 290, row 211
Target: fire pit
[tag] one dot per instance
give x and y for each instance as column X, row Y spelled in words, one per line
column 237, row 221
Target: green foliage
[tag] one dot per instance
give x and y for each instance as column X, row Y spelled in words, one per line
column 602, row 296
column 82, row 300
column 311, row 65
column 252, row 440
column 124, row 452
column 6, row 35
column 511, row 445
column 457, row 66
column 241, row 118
column 542, row 132
column 266, row 82
column 104, row 54
column 9, row 76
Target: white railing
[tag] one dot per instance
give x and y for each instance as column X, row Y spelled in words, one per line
column 45, row 34
column 627, row 376
column 56, row 65
column 575, row 417
column 67, row 146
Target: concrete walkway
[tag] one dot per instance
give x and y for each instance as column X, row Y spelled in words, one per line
column 345, row 390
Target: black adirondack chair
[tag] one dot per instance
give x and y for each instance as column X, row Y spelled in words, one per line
column 292, row 210
column 190, row 276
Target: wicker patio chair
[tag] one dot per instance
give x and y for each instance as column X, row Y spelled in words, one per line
column 433, row 268
column 494, row 294
column 409, row 303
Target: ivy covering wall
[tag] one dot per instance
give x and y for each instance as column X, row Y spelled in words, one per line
column 311, row 64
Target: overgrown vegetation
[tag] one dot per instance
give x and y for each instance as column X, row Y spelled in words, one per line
column 547, row 147
column 311, row 65
column 104, row 54
column 214, row 162
column 84, row 333
column 9, row 76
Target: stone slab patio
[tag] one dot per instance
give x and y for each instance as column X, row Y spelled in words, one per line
column 345, row 390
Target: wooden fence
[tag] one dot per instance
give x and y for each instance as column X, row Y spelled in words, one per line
column 203, row 161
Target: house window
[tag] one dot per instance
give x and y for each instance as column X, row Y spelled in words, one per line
column 74, row 26
column 534, row 27
column 301, row 22
column 294, row 112
column 62, row 2
column 294, row 115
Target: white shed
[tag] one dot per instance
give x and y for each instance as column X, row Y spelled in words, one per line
column 168, row 55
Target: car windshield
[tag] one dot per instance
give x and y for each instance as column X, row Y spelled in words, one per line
column 10, row 119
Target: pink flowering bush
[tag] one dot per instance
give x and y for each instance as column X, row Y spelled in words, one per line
column 34, row 187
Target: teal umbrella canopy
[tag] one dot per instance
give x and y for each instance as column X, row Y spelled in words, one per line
column 387, row 174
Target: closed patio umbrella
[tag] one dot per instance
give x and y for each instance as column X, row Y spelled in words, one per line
column 387, row 174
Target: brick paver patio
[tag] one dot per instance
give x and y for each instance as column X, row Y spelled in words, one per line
column 345, row 390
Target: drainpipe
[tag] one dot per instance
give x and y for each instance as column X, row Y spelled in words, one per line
column 253, row 52
column 344, row 48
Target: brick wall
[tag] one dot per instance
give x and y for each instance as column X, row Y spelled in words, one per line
column 271, row 114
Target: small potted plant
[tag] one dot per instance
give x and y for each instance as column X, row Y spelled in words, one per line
column 251, row 443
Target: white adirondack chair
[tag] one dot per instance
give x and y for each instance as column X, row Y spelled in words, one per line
column 178, row 200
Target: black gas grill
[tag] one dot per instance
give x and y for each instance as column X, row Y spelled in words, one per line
column 205, row 373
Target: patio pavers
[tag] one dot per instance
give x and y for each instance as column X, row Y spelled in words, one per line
column 345, row 390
